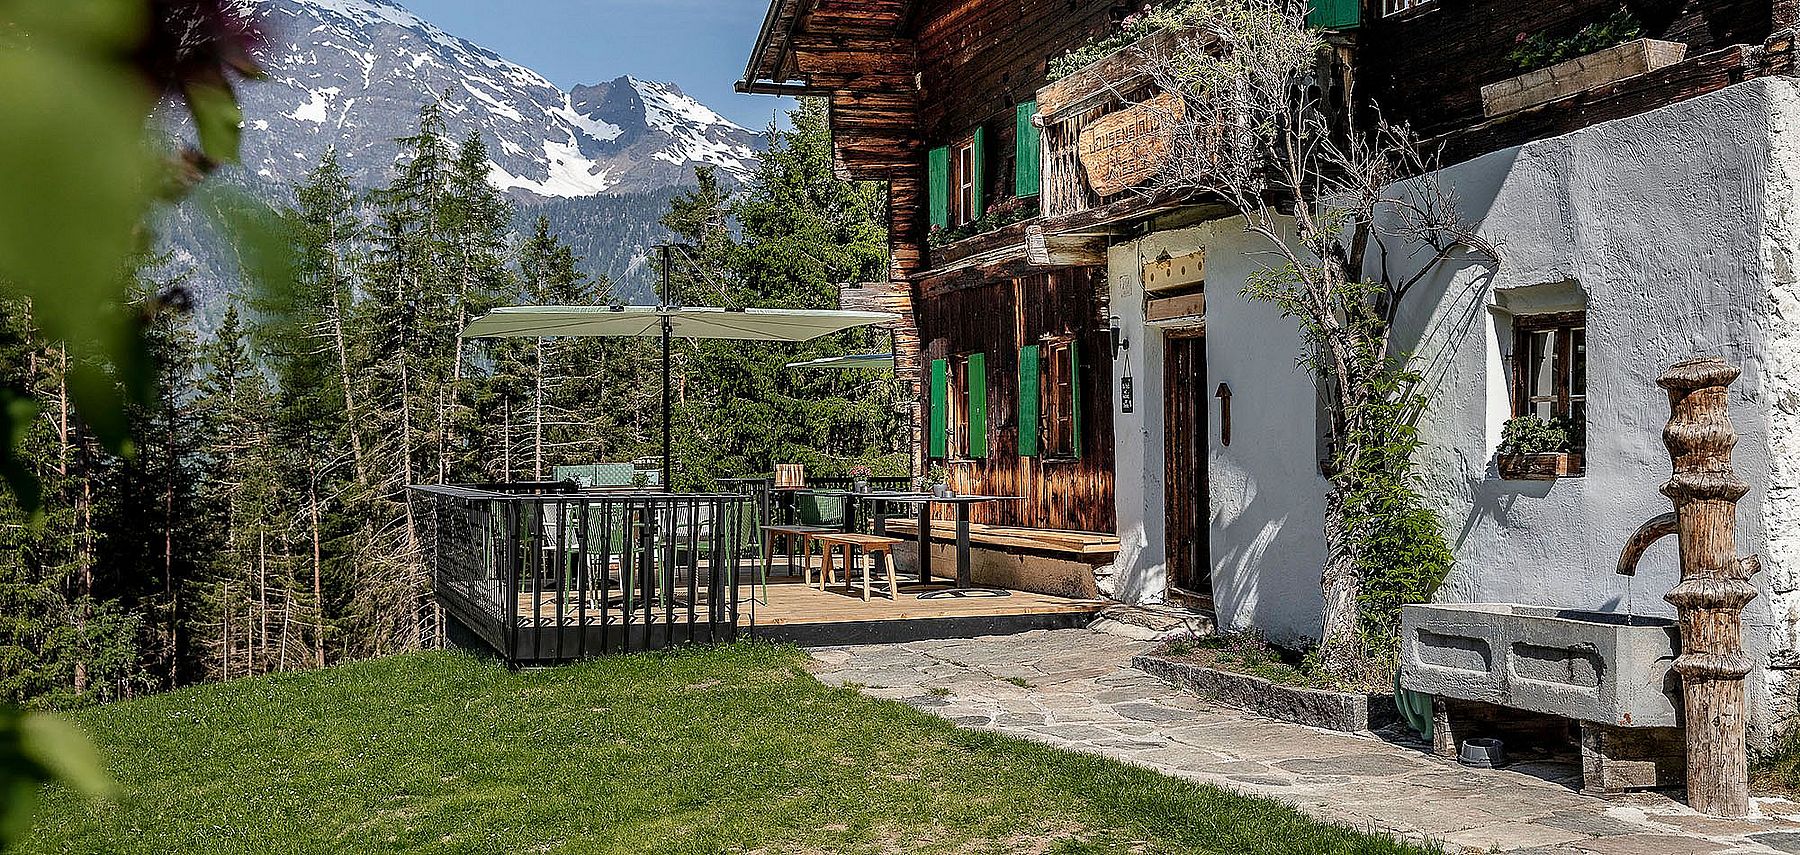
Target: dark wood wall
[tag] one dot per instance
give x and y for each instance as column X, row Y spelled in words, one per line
column 1427, row 67
column 997, row 318
column 979, row 58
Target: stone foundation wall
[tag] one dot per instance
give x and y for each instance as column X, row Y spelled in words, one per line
column 1038, row 574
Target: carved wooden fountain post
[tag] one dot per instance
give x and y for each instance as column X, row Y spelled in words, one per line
column 1715, row 582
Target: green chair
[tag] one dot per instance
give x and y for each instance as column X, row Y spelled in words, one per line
column 821, row 511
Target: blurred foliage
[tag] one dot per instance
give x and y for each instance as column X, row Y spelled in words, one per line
column 35, row 749
column 79, row 81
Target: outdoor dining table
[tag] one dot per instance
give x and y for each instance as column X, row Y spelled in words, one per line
column 965, row 577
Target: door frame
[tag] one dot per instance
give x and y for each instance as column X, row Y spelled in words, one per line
column 1187, row 497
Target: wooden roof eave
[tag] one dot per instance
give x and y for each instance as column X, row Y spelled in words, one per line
column 771, row 58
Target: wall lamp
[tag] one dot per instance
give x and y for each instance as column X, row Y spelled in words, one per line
column 1119, row 342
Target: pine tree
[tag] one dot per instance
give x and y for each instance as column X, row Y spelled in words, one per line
column 248, row 589
column 801, row 233
column 61, row 645
column 407, row 341
column 152, row 533
column 558, row 401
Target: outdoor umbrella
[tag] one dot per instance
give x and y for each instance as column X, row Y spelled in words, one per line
column 668, row 323
column 851, row 362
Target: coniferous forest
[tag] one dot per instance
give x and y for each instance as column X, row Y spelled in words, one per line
column 262, row 522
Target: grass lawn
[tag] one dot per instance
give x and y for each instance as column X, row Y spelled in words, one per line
column 733, row 749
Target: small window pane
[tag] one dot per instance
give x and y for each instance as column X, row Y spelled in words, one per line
column 1542, row 371
column 1578, row 361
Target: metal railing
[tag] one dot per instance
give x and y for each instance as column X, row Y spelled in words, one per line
column 544, row 573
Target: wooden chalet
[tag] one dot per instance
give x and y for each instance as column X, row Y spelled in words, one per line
column 1015, row 202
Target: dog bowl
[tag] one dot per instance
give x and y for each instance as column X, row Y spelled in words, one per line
column 1483, row 753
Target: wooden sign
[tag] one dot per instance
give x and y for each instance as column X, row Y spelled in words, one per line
column 1123, row 149
column 1175, row 272
column 1187, row 307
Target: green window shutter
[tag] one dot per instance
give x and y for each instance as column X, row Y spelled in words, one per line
column 980, row 172
column 940, row 402
column 1028, row 401
column 1026, row 160
column 1334, row 14
column 937, row 180
column 978, row 413
column 1075, row 395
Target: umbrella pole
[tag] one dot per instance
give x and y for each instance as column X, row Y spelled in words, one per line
column 667, row 407
column 668, row 329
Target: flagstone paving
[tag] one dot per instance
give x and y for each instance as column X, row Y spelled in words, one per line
column 1074, row 689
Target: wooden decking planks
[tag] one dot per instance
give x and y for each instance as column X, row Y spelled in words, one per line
column 791, row 603
column 1053, row 540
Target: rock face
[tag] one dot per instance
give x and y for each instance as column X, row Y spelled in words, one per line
column 354, row 73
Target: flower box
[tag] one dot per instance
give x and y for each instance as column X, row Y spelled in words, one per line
column 1580, row 74
column 1538, row 467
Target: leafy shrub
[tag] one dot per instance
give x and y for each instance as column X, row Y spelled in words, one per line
column 1535, row 435
column 1403, row 561
column 1533, row 51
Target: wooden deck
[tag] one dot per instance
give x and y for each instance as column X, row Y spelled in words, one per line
column 803, row 614
column 800, row 613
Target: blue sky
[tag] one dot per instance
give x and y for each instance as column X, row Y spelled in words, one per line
column 700, row 45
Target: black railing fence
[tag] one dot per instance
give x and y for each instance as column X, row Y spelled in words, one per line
column 544, row 573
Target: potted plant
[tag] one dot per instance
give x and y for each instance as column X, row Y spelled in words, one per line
column 859, row 479
column 938, row 480
column 1533, row 448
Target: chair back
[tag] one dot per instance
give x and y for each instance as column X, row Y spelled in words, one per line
column 821, row 510
column 790, row 474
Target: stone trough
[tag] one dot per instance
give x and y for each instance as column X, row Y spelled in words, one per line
column 1609, row 672
column 1598, row 667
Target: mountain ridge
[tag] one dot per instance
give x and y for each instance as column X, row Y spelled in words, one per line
column 600, row 160
column 354, row 73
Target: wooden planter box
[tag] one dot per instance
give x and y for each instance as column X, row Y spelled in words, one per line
column 1539, row 467
column 1579, row 75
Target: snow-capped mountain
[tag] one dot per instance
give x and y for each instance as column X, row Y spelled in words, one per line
column 354, row 73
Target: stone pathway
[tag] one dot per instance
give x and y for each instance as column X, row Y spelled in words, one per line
column 1074, row 689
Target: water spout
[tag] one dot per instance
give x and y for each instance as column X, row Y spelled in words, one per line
column 1654, row 530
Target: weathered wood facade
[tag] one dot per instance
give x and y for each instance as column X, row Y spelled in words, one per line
column 904, row 78
column 997, row 319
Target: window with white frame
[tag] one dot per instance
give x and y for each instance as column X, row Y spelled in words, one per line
column 1395, row 7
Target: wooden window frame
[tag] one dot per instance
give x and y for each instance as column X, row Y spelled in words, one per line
column 1058, row 396
column 959, row 410
column 1566, row 333
column 958, row 426
column 962, row 187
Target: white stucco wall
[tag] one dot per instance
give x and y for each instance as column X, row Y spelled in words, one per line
column 1676, row 225
column 1267, row 495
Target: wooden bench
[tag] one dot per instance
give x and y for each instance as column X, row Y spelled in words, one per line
column 1082, row 543
column 791, row 535
column 870, row 545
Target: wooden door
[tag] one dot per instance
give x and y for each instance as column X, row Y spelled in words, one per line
column 1189, row 504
